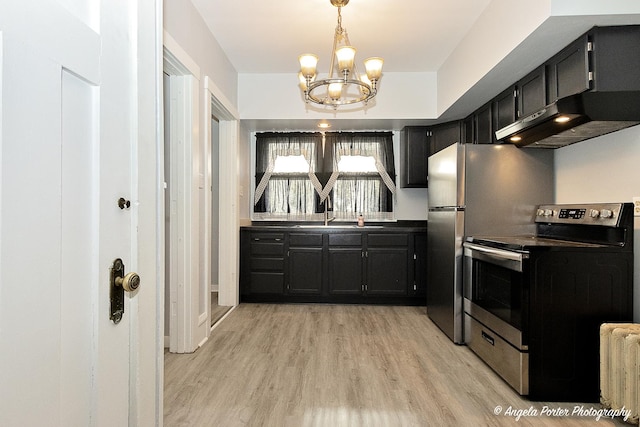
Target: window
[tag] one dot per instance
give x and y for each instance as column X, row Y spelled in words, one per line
column 297, row 174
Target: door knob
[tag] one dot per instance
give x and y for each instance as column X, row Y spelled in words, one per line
column 120, row 282
column 129, row 282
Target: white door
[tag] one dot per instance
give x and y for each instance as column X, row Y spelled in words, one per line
column 68, row 152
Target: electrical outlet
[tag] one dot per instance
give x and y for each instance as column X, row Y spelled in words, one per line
column 636, row 206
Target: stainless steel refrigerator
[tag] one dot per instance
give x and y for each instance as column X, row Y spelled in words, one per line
column 477, row 189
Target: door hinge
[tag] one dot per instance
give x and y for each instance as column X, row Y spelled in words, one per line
column 415, row 256
column 589, row 46
column 415, row 287
column 590, row 76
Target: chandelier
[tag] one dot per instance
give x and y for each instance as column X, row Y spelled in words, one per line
column 347, row 87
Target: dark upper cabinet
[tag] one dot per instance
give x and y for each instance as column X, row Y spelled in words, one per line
column 504, row 108
column 483, row 125
column 468, row 130
column 414, row 152
column 615, row 58
column 444, row 135
column 531, row 93
column 568, row 71
column 478, row 127
column 605, row 59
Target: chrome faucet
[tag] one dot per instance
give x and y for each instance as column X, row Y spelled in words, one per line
column 327, row 205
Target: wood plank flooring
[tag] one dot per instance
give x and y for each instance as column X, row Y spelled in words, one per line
column 217, row 311
column 341, row 365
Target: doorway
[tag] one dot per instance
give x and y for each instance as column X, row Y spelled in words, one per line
column 217, row 310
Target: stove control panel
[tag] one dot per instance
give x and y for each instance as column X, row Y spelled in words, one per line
column 604, row 214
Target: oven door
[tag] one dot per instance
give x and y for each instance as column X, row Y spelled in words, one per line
column 496, row 290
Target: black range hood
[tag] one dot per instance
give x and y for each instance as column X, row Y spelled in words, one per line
column 573, row 119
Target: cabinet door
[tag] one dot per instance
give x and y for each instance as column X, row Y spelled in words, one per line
column 504, row 109
column 568, row 71
column 444, row 135
column 531, row 93
column 387, row 271
column 305, row 271
column 469, row 130
column 483, row 125
column 414, row 152
column 420, row 264
column 345, row 271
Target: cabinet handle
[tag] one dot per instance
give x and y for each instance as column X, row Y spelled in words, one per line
column 488, row 338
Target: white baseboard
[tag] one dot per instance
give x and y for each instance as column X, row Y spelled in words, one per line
column 215, row 288
column 166, row 341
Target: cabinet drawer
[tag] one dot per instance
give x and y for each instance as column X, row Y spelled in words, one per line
column 275, row 264
column 305, row 239
column 388, row 240
column 345, row 239
column 267, row 283
column 263, row 248
column 267, row 237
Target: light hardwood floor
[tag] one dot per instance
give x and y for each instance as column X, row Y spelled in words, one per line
column 217, row 311
column 341, row 365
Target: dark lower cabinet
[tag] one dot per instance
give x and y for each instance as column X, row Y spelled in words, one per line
column 333, row 266
column 345, row 271
column 305, row 263
column 305, row 271
column 267, row 263
column 419, row 265
column 387, row 271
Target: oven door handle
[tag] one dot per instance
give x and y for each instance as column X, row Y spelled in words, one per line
column 507, row 259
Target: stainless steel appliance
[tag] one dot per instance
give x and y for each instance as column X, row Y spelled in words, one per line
column 533, row 304
column 477, row 189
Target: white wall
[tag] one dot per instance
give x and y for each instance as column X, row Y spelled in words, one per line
column 183, row 22
column 603, row 169
column 396, row 98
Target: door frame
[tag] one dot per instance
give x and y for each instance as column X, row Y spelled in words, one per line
column 185, row 333
column 218, row 105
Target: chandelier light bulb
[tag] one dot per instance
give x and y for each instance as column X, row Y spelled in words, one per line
column 373, row 67
column 346, row 56
column 335, row 91
column 308, row 63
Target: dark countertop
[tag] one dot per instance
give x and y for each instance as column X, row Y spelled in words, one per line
column 385, row 227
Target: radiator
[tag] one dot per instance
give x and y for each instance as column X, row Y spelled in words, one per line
column 619, row 370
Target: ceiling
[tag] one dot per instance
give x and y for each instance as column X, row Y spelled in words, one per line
column 411, row 36
column 263, row 37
